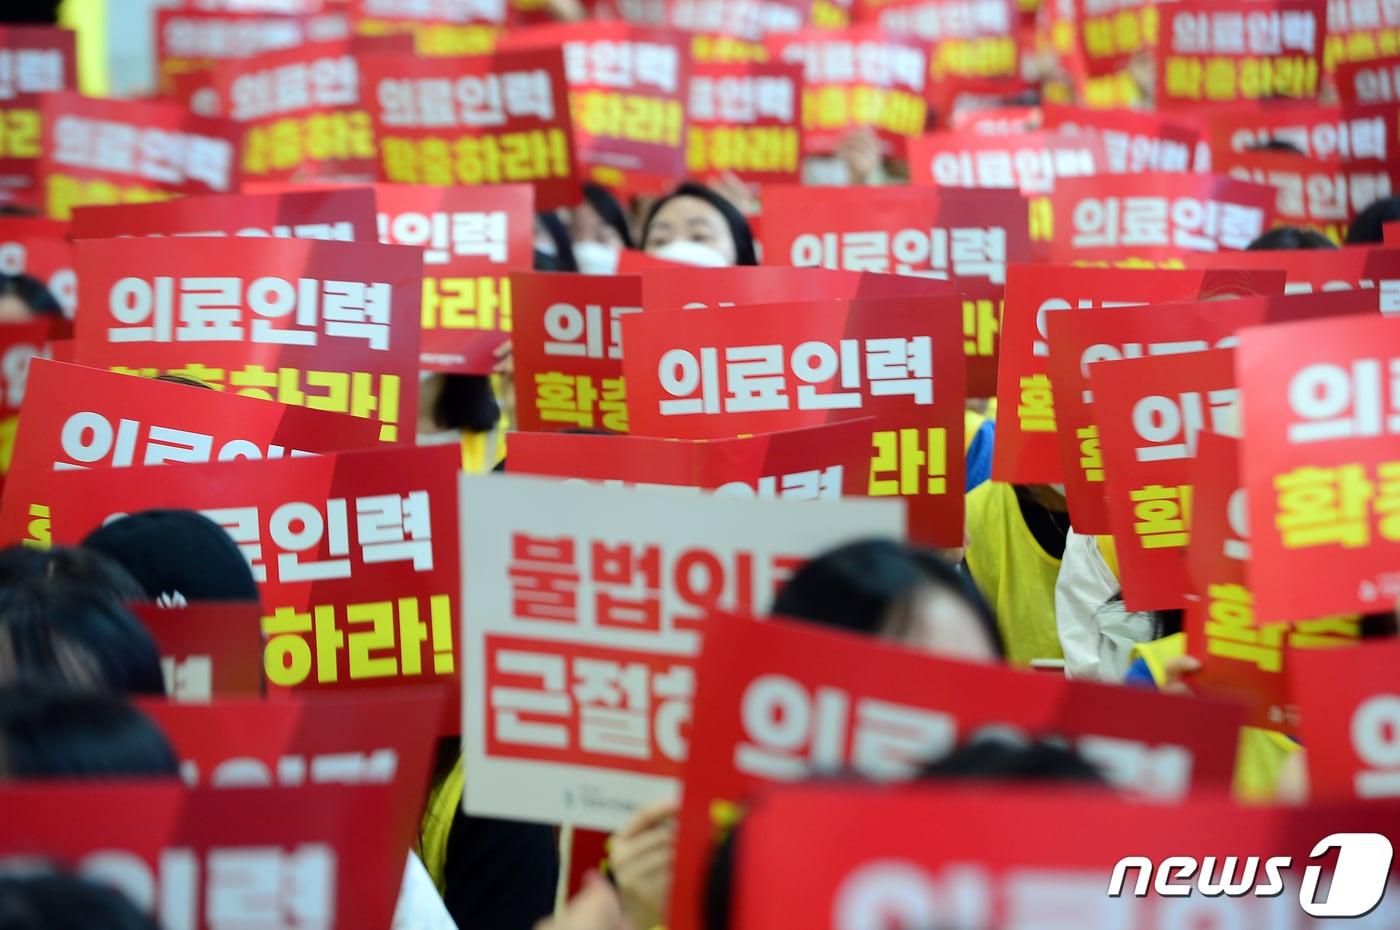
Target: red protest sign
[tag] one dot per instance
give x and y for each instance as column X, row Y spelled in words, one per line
column 1138, row 216
column 470, row 239
column 1321, row 195
column 1239, row 659
column 718, row 375
column 969, row 38
column 341, row 215
column 818, row 463
column 1313, row 270
column 1370, row 82
column 300, row 113
column 736, row 21
column 1344, row 134
column 199, row 857
column 780, row 702
column 965, row 236
column 207, row 649
column 78, row 418
column 329, row 325
column 745, row 118
column 109, row 151
column 858, row 78
column 1134, row 142
column 40, row 249
column 1025, row 450
column 1110, row 34
column 1149, row 412
column 379, row 739
column 436, row 27
column 1348, row 700
column 576, row 592
column 1392, row 235
column 567, row 347
column 1359, row 31
column 1078, row 341
column 19, row 343
column 355, row 555
column 682, row 288
column 34, row 60
column 1318, row 418
column 1225, row 51
column 495, row 119
column 197, row 40
column 834, row 857
column 1029, row 162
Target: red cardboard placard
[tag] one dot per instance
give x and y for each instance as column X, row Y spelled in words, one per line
column 1110, row 35
column 37, row 60
column 834, row 857
column 1238, row 659
column 1348, row 701
column 683, row 288
column 124, row 151
column 343, row 215
column 627, row 91
column 525, row 137
column 1158, row 215
column 567, row 347
column 331, row 325
column 195, row 40
column 1134, row 141
column 471, row 238
column 859, row 78
column 1369, row 82
column 1311, row 270
column 301, row 113
column 718, row 375
column 780, row 702
column 974, row 39
column 1149, row 412
column 1225, row 51
column 379, row 739
column 334, row 854
column 355, row 554
column 1319, row 420
column 1025, row 450
column 817, row 463
column 966, row 236
column 207, row 649
column 1030, row 162
column 1345, row 134
column 81, row 417
column 1078, row 341
column 745, row 118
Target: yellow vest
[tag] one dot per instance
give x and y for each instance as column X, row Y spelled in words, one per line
column 443, row 803
column 1015, row 575
column 1261, row 754
column 482, row 452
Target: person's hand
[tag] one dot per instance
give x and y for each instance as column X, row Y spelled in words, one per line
column 733, row 189
column 1176, row 672
column 860, row 150
column 642, row 855
column 595, row 907
column 503, row 368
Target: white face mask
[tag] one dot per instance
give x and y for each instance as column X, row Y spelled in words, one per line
column 692, row 253
column 596, row 258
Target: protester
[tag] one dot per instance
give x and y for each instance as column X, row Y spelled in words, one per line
column 1369, row 224
column 599, row 232
column 177, row 556
column 1291, row 237
column 42, row 900
column 50, row 731
column 24, row 299
column 695, row 226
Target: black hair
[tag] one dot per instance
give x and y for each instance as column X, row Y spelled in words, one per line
column 609, row 210
column 1369, row 225
column 59, row 901
column 467, row 403
column 76, row 636
column 563, row 257
column 1290, row 238
column 186, row 380
column 1275, row 144
column 69, row 568
column 33, row 292
column 1166, row 622
column 854, row 587
column 744, row 253
column 177, row 552
column 51, row 730
column 1002, row 758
